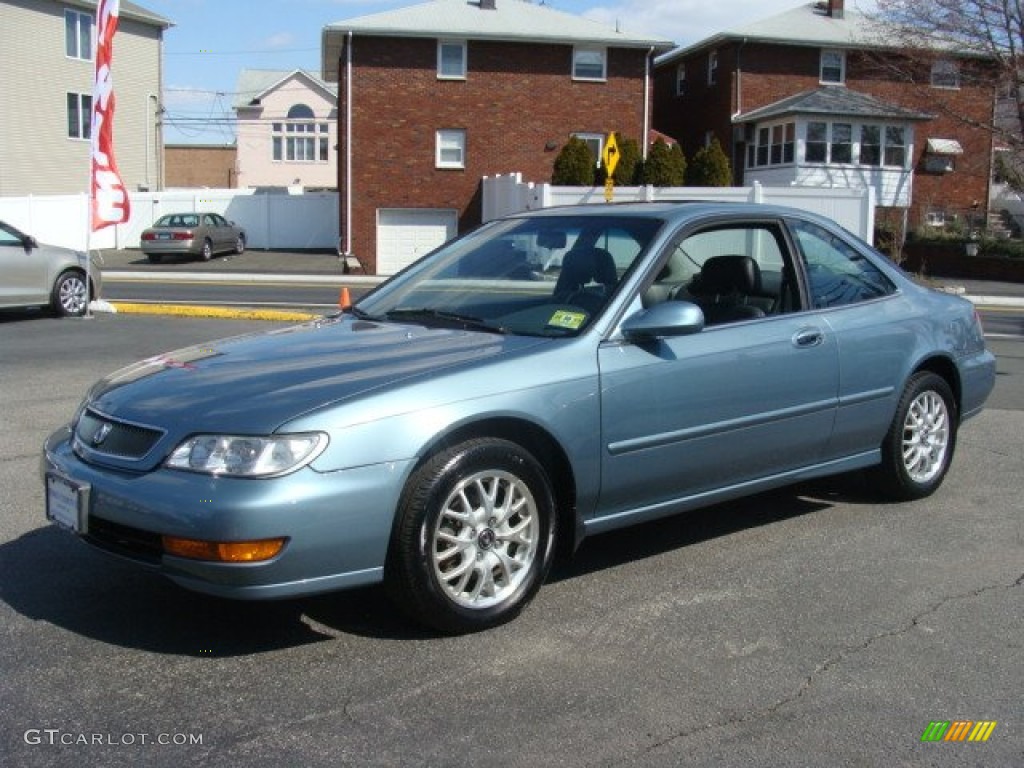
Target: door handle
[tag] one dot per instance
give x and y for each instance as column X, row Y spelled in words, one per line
column 808, row 337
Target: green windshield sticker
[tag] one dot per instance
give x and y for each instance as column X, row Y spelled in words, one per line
column 565, row 319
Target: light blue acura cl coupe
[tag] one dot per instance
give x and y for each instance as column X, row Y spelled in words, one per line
column 547, row 377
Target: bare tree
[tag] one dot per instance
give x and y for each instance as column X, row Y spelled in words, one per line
column 984, row 37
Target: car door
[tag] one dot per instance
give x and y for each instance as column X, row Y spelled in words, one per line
column 750, row 397
column 23, row 272
column 214, row 231
column 873, row 328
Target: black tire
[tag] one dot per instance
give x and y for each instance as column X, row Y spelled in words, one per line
column 154, row 258
column 240, row 245
column 919, row 445
column 70, row 295
column 207, row 251
column 461, row 558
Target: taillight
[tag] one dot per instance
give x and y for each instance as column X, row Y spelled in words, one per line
column 148, row 236
column 186, row 235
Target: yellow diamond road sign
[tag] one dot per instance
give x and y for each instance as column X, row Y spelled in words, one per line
column 610, row 154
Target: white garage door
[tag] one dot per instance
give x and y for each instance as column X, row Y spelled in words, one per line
column 405, row 234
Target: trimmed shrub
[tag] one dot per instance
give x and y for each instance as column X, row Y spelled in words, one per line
column 709, row 167
column 665, row 166
column 574, row 165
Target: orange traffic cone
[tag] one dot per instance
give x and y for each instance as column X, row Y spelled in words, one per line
column 344, row 300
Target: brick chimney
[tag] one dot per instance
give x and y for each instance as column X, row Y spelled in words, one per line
column 835, row 9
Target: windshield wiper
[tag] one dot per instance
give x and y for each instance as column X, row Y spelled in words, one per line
column 427, row 315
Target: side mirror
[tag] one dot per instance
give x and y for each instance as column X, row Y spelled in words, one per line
column 669, row 318
column 29, row 242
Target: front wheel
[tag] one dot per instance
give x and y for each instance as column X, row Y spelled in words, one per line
column 918, row 447
column 474, row 537
column 70, row 295
column 206, row 252
column 240, row 245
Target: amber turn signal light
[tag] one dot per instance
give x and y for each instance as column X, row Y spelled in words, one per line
column 224, row 551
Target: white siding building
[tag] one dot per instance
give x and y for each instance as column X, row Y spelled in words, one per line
column 47, row 54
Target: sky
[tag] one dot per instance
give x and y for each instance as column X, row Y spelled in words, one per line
column 213, row 40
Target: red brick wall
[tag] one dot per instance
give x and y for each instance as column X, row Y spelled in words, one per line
column 517, row 100
column 768, row 73
column 200, row 166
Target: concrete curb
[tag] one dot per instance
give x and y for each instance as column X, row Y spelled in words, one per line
column 222, row 313
column 240, row 277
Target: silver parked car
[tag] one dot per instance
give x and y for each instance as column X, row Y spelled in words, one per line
column 550, row 376
column 192, row 234
column 34, row 275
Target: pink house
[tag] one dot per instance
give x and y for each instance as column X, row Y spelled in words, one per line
column 287, row 123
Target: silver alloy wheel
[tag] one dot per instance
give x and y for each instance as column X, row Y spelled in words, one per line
column 925, row 436
column 486, row 538
column 72, row 295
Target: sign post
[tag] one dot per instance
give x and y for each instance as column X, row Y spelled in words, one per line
column 610, row 159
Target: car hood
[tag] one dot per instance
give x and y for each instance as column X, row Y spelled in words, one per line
column 254, row 384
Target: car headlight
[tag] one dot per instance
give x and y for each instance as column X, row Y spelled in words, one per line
column 247, row 456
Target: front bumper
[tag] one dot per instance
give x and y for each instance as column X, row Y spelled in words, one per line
column 338, row 524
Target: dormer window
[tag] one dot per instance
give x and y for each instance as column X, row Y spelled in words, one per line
column 833, row 67
column 451, row 59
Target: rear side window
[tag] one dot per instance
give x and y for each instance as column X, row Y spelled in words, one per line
column 837, row 273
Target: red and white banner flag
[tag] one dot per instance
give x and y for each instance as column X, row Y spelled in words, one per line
column 108, row 197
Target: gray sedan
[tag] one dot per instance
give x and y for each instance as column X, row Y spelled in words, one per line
column 34, row 275
column 192, row 234
column 484, row 409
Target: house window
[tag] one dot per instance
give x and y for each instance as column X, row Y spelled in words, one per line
column 712, row 67
column 589, row 64
column 833, row 67
column 451, row 59
column 816, row 150
column 79, row 116
column 871, row 145
column 775, row 145
column 841, row 146
column 300, row 139
column 594, row 142
column 450, row 151
column 945, row 74
column 680, row 80
column 78, row 35
column 895, row 146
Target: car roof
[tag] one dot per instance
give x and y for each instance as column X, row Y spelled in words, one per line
column 676, row 212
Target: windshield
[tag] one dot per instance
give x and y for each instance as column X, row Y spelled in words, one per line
column 543, row 276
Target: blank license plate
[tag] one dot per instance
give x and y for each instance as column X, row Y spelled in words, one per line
column 66, row 502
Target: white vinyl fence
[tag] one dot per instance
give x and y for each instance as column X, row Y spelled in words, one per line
column 270, row 221
column 853, row 209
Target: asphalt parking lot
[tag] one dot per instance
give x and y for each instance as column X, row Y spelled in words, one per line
column 807, row 627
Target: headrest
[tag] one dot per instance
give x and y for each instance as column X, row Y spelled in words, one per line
column 729, row 274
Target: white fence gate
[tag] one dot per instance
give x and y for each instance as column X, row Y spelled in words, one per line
column 270, row 221
column 853, row 209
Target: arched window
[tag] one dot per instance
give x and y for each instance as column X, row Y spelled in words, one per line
column 301, row 139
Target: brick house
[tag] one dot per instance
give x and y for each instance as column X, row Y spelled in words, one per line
column 433, row 97
column 806, row 98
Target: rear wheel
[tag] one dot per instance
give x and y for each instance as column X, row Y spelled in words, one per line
column 70, row 296
column 918, row 448
column 474, row 537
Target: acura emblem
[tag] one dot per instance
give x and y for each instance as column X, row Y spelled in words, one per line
column 101, row 433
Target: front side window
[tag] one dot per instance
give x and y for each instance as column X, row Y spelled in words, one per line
column 589, row 64
column 450, row 150
column 300, row 139
column 945, row 74
column 78, row 35
column 79, row 115
column 833, row 67
column 837, row 273
column 451, row 59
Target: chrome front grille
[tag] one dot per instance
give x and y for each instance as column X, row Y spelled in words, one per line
column 102, row 434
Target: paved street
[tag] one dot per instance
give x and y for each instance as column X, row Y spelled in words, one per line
column 806, row 627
